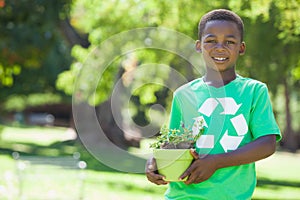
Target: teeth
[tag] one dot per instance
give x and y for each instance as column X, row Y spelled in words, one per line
column 219, row 59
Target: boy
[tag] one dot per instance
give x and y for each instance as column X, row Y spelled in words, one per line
column 240, row 127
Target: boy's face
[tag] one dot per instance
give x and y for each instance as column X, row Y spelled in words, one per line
column 220, row 45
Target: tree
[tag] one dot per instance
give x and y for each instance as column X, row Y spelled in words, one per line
column 33, row 52
column 276, row 39
column 97, row 22
column 273, row 37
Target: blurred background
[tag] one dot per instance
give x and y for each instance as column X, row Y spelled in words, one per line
column 44, row 44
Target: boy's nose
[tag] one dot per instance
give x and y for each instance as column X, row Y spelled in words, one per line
column 219, row 46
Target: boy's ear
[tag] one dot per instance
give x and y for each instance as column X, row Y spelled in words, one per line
column 198, row 46
column 242, row 48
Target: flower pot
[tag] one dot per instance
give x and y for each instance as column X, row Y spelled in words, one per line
column 172, row 163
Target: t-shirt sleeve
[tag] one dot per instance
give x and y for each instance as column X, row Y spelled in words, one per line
column 262, row 121
column 175, row 114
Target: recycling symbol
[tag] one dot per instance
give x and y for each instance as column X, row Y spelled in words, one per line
column 230, row 107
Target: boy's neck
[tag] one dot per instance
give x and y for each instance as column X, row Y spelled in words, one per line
column 219, row 79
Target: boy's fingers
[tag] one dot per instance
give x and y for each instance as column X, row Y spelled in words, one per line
column 161, row 182
column 151, row 165
column 194, row 154
column 185, row 174
column 156, row 178
column 152, row 175
column 190, row 169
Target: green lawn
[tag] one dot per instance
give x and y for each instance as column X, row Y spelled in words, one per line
column 278, row 176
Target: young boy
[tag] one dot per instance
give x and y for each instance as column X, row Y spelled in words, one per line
column 240, row 127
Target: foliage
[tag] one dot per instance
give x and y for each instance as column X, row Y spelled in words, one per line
column 287, row 20
column 29, row 34
column 142, row 14
column 177, row 139
column 272, row 45
column 33, row 52
column 31, row 42
column 17, row 103
column 271, row 35
column 259, row 18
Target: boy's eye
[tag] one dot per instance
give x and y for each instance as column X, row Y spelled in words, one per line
column 230, row 42
column 211, row 41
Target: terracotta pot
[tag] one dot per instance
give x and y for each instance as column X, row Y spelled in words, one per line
column 172, row 163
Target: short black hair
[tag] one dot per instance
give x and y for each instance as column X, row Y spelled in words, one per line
column 223, row 15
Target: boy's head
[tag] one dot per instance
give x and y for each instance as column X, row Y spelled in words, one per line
column 222, row 15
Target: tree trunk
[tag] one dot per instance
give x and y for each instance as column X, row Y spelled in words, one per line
column 117, row 134
column 96, row 126
column 72, row 36
column 289, row 138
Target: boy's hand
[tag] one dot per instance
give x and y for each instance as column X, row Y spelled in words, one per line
column 152, row 174
column 200, row 170
column 203, row 168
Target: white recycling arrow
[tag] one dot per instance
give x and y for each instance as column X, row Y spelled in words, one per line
column 206, row 141
column 208, row 106
column 240, row 125
column 230, row 142
column 229, row 105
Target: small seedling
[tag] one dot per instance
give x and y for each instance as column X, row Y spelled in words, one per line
column 175, row 139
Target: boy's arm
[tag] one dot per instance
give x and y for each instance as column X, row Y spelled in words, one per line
column 203, row 168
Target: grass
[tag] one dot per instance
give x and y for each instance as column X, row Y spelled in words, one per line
column 278, row 176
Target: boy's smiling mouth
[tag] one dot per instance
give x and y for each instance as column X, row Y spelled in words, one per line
column 219, row 59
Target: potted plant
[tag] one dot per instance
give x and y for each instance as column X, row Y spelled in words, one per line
column 172, row 150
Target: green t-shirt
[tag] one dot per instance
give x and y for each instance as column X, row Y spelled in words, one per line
column 233, row 115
